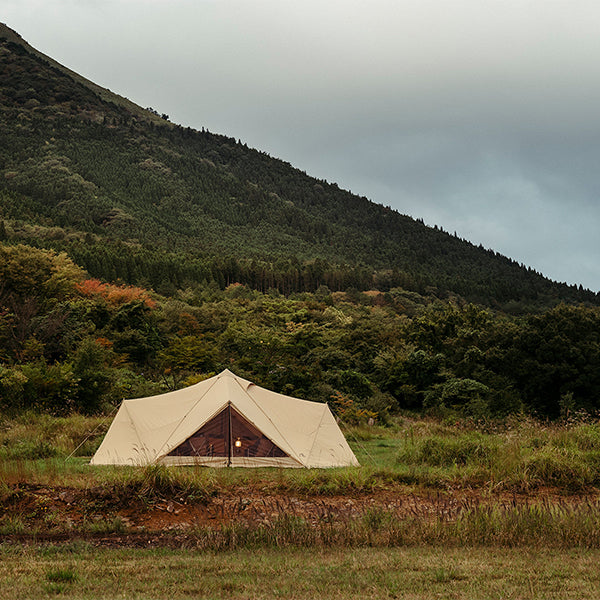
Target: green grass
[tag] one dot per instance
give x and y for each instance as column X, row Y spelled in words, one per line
column 298, row 574
column 519, row 456
column 38, row 436
column 516, row 456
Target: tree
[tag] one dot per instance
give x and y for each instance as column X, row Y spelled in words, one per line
column 91, row 368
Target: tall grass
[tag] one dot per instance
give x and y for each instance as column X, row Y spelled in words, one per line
column 155, row 482
column 524, row 457
column 541, row 525
column 39, row 436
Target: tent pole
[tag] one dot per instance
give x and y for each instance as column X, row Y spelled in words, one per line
column 229, row 434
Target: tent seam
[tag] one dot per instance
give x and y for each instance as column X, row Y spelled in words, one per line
column 137, row 435
column 317, row 431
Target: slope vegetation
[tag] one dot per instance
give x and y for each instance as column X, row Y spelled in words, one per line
column 134, row 197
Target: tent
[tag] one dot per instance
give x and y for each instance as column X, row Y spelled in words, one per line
column 224, row 421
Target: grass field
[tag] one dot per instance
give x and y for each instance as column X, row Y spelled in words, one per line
column 77, row 571
column 509, row 510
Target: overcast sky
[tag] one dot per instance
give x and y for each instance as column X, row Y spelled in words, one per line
column 479, row 116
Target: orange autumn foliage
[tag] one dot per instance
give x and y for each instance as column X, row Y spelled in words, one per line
column 115, row 294
column 104, row 342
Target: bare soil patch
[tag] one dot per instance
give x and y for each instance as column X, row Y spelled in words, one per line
column 107, row 518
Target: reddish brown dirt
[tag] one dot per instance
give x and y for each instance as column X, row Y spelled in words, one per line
column 58, row 514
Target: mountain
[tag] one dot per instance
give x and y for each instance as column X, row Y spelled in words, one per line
column 140, row 203
column 131, row 196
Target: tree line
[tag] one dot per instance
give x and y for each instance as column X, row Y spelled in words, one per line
column 70, row 342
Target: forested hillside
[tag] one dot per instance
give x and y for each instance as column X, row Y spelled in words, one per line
column 137, row 256
column 72, row 343
column 131, row 196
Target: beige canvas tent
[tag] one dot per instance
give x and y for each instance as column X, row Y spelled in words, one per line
column 224, row 421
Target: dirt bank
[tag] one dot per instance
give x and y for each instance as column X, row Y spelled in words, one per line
column 108, row 517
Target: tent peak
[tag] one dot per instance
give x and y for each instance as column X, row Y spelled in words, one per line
column 226, row 373
column 244, row 383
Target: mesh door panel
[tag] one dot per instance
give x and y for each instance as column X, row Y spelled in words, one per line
column 213, row 439
column 249, row 441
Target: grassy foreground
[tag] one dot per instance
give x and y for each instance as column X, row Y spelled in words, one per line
column 77, row 571
column 515, row 515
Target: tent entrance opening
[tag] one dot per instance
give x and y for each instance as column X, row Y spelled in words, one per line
column 228, row 434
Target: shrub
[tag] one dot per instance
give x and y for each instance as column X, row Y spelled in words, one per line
column 558, row 467
column 465, row 396
column 28, row 450
column 473, row 448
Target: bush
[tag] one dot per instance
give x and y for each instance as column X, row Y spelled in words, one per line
column 51, row 388
column 28, row 450
column 466, row 397
column 437, row 451
column 558, row 467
